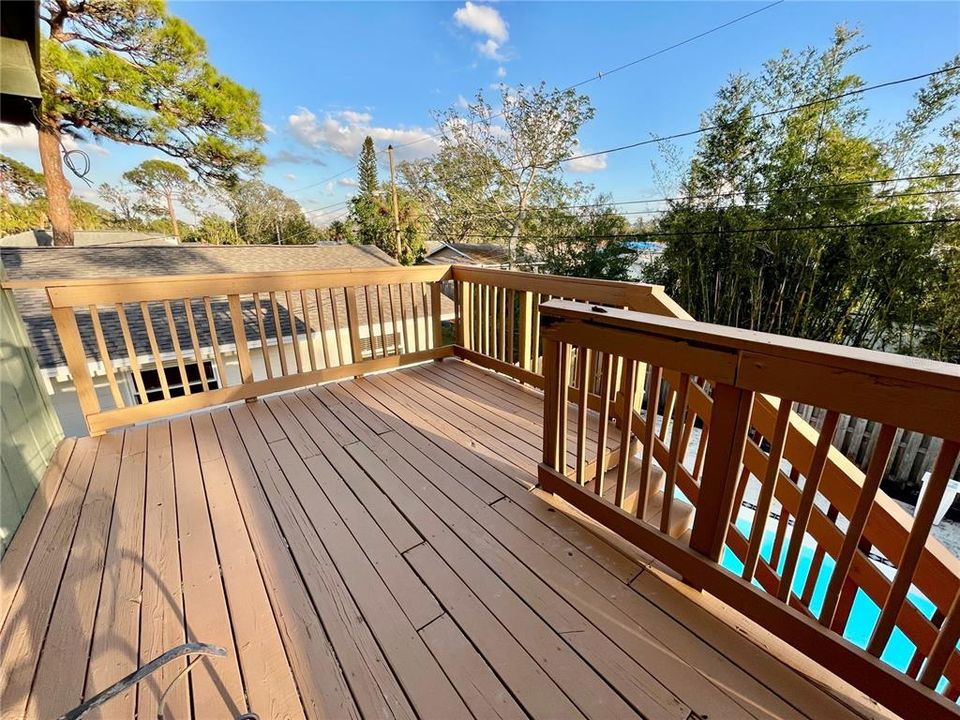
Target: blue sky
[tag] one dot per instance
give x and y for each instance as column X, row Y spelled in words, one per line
column 329, row 73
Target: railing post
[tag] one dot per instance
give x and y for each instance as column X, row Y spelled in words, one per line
column 526, row 330
column 240, row 339
column 729, row 423
column 551, row 402
column 65, row 319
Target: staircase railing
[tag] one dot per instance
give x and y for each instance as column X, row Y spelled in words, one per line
column 734, row 369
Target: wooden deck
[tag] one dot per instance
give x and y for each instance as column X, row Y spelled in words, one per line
column 364, row 549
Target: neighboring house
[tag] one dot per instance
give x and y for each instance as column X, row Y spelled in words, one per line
column 87, row 238
column 102, row 262
column 485, row 255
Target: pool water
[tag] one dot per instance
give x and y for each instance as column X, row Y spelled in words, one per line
column 864, row 613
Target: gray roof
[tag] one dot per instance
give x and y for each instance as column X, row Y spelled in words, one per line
column 481, row 254
column 66, row 263
column 87, row 238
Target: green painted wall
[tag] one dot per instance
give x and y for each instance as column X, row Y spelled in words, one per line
column 29, row 428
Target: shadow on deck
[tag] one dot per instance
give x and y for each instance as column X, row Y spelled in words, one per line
column 370, row 548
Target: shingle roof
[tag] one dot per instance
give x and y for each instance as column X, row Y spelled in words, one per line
column 101, row 262
column 87, row 238
column 483, row 254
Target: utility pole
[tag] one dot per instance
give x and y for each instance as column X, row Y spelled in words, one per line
column 396, row 209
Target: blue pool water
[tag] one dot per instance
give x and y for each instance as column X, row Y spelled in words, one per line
column 863, row 615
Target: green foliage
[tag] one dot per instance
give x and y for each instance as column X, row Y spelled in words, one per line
column 131, row 72
column 213, row 230
column 19, row 179
column 19, row 217
column 494, row 164
column 263, row 214
column 367, row 170
column 870, row 286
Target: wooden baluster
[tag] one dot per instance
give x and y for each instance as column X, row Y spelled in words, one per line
column 218, row 358
column 353, row 324
column 918, row 657
column 416, row 320
column 264, row 349
column 154, row 349
column 525, row 339
column 383, row 325
column 646, row 460
column 628, row 388
column 195, row 341
column 240, row 338
column 564, row 400
column 511, row 313
column 584, row 358
column 943, row 646
column 678, row 448
column 701, row 451
column 667, row 412
column 502, row 327
column 337, row 326
column 65, row 319
column 175, row 340
column 435, row 315
column 779, row 536
column 397, row 350
column 294, row 332
column 465, row 337
column 922, row 522
column 729, row 424
column 813, row 574
column 105, row 358
column 768, row 487
column 308, row 329
column 805, row 506
column 404, row 318
column 603, row 424
column 324, row 327
column 858, row 521
column 278, row 333
column 551, row 405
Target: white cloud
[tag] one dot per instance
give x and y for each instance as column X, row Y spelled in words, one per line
column 490, row 49
column 501, row 72
column 269, row 128
column 343, row 133
column 290, row 176
column 483, row 20
column 591, row 164
column 347, row 182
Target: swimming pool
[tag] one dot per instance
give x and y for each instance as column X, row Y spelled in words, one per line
column 863, row 614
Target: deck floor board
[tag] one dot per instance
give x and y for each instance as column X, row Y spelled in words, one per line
column 367, row 549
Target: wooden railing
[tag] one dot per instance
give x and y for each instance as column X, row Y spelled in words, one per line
column 738, row 438
column 230, row 337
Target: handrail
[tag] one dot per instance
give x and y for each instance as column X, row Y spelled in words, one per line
column 223, row 338
column 738, row 366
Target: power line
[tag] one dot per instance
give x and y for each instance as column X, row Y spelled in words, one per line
column 712, row 196
column 617, row 69
column 641, row 235
column 755, row 116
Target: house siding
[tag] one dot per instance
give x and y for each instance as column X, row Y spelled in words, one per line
column 29, row 428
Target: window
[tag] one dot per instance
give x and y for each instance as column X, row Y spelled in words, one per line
column 151, row 380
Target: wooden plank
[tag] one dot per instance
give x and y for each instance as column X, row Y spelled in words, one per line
column 337, row 327
column 646, row 461
column 278, row 334
column 270, row 686
column 191, row 323
column 625, row 405
column 264, row 349
column 484, row 693
column 175, row 341
column 435, row 314
column 353, row 326
column 308, row 329
column 58, row 684
column 421, row 676
column 18, row 553
column 161, row 602
column 25, row 628
column 330, row 672
column 215, row 685
column 324, row 331
column 76, row 357
column 116, row 634
column 154, row 349
column 214, row 342
column 240, row 340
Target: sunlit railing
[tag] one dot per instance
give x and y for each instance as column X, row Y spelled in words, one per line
column 191, row 342
column 739, row 437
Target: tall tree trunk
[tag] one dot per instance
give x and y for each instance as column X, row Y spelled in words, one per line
column 58, row 189
column 173, row 216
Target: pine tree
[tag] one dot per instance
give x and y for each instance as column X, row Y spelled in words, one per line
column 367, row 170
